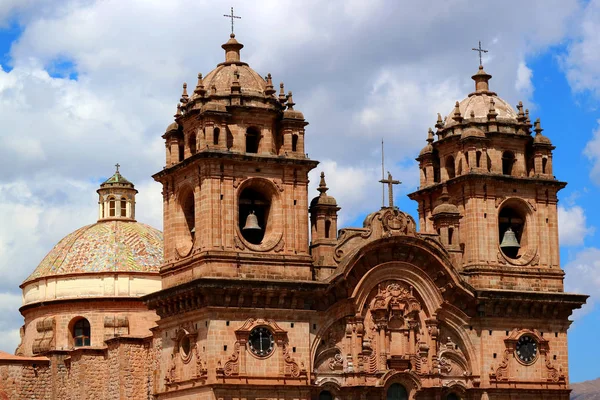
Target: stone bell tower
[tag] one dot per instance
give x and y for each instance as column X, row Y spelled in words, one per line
column 491, row 169
column 235, row 145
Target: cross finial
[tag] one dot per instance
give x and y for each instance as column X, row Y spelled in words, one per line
column 117, row 165
column 390, row 182
column 232, row 17
column 480, row 50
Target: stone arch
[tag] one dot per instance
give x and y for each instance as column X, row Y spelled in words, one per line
column 80, row 332
column 186, row 207
column 410, row 381
column 514, row 207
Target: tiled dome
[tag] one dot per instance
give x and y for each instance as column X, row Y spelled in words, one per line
column 107, row 246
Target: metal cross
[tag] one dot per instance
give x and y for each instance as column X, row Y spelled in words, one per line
column 390, row 182
column 480, row 50
column 117, row 165
column 232, row 17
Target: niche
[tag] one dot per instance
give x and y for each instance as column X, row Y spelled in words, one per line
column 513, row 218
column 252, row 140
column 508, row 161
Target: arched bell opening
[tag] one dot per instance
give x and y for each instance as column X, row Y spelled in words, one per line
column 216, row 133
column 186, row 224
column 436, row 166
column 192, row 143
column 512, row 230
column 254, row 209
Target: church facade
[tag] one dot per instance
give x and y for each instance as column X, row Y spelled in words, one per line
column 244, row 303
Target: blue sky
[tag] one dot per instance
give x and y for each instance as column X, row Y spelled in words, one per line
column 85, row 84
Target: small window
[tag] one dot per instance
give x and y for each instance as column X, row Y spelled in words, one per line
column 123, row 207
column 450, row 235
column 192, row 143
column 436, row 167
column 294, row 143
column 450, row 167
column 216, row 136
column 478, row 159
column 181, row 151
column 252, row 140
column 544, row 164
column 508, row 160
column 111, row 207
column 327, row 229
column 81, row 333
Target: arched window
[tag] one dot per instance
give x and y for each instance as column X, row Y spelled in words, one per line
column 216, row 133
column 459, row 170
column 189, row 212
column 111, row 207
column 508, row 160
column 252, row 140
column 327, row 229
column 544, row 164
column 123, row 207
column 436, row 167
column 325, row 395
column 397, row 392
column 450, row 235
column 478, row 159
column 450, row 167
column 81, row 333
column 294, row 143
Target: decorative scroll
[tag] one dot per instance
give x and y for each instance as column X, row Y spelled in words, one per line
column 386, row 222
column 501, row 372
column 291, row 367
column 554, row 374
column 232, row 365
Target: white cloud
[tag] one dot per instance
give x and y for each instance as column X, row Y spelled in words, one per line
column 572, row 226
column 583, row 276
column 523, row 84
column 592, row 151
column 582, row 60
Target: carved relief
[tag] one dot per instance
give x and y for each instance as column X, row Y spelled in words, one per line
column 384, row 223
column 451, row 360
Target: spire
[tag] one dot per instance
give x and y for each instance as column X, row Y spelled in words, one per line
column 444, row 197
column 430, row 136
column 269, row 91
column 184, row 96
column 232, row 50
column 457, row 116
column 200, row 86
column 178, row 113
column 527, row 120
column 538, row 127
column 440, row 123
column 322, row 185
column 290, row 101
column 282, row 96
column 521, row 115
column 481, row 79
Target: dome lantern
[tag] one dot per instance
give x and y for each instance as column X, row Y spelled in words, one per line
column 116, row 198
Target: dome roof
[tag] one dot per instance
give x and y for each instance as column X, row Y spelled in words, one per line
column 106, row 246
column 445, row 208
column 428, row 149
column 323, row 199
column 222, row 77
column 477, row 104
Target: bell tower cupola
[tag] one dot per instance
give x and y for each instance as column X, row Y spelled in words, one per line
column 116, row 198
column 236, row 145
column 487, row 171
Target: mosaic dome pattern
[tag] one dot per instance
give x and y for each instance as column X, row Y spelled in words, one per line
column 108, row 246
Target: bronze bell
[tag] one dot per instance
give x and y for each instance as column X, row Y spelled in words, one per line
column 509, row 240
column 251, row 222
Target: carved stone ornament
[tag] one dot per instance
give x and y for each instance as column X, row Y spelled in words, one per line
column 386, row 222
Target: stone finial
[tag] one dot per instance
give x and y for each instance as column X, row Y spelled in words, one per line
column 481, row 79
column 492, row 114
column 527, row 120
column 444, row 197
column 290, row 101
column 178, row 113
column 199, row 90
column 440, row 123
column 269, row 91
column 282, row 96
column 457, row 115
column 322, row 185
column 521, row 115
column 430, row 136
column 184, row 96
column 232, row 50
column 538, row 127
column 235, row 84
